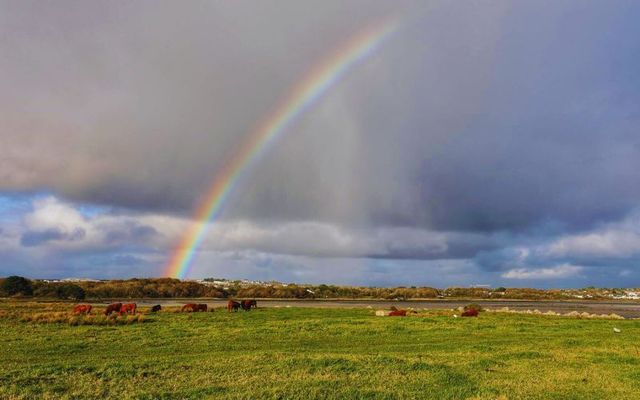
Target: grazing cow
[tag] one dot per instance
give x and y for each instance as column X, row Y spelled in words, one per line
column 247, row 304
column 113, row 307
column 470, row 313
column 202, row 307
column 190, row 307
column 82, row 309
column 128, row 308
column 398, row 313
column 156, row 308
column 233, row 305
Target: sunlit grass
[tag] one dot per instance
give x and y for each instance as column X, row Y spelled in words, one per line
column 319, row 353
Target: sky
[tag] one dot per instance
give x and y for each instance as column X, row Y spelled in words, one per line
column 487, row 142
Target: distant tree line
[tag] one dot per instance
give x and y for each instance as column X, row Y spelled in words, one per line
column 16, row 286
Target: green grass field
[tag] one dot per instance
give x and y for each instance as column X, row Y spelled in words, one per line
column 294, row 353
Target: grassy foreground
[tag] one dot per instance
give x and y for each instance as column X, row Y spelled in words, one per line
column 293, row 353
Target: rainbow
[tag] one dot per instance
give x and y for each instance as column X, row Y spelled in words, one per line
column 300, row 99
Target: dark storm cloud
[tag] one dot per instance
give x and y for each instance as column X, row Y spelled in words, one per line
column 496, row 124
column 484, row 117
column 141, row 104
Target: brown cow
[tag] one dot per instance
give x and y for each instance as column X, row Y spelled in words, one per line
column 82, row 309
column 113, row 307
column 398, row 313
column 202, row 307
column 469, row 313
column 156, row 308
column 233, row 305
column 190, row 307
column 128, row 308
column 247, row 304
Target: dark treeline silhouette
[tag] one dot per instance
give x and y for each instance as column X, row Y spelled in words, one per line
column 15, row 286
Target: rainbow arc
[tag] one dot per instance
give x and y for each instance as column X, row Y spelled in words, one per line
column 302, row 96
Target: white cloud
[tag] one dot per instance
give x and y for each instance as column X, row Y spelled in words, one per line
column 50, row 213
column 600, row 244
column 560, row 271
column 54, row 224
column 620, row 239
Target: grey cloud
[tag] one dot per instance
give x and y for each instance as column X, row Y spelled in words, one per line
column 37, row 238
column 29, row 239
column 119, row 260
column 317, row 239
column 128, row 232
column 607, row 254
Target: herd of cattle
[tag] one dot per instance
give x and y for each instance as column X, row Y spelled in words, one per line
column 247, row 305
column 130, row 308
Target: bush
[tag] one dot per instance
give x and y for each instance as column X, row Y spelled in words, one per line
column 16, row 285
column 70, row 291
